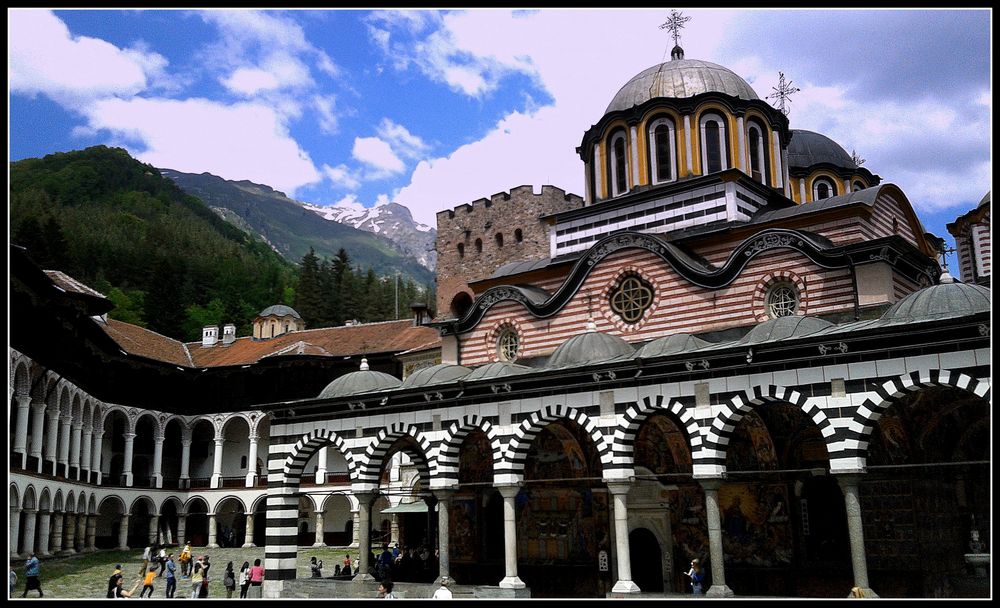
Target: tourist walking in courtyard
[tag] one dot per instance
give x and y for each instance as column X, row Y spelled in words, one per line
column 147, row 554
column 697, row 576
column 32, row 576
column 229, row 580
column 147, row 582
column 113, row 580
column 171, row 576
column 315, row 568
column 197, row 577
column 13, row 580
column 186, row 560
column 205, row 565
column 256, row 578
column 244, row 579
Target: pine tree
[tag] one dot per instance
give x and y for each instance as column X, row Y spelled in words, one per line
column 308, row 296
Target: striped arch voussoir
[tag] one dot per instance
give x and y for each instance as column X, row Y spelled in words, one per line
column 517, row 450
column 637, row 414
column 375, row 453
column 307, row 446
column 445, row 466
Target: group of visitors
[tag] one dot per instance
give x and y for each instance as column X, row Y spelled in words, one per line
column 413, row 564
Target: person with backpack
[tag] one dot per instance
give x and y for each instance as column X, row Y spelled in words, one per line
column 229, row 580
column 197, row 578
column 32, row 576
column 186, row 560
column 205, row 565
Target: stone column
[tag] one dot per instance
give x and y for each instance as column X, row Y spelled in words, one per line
column 53, row 432
column 64, row 439
column 29, row 531
column 69, row 534
column 855, row 530
column 127, row 462
column 321, row 466
column 80, row 537
column 168, row 534
column 15, row 530
column 212, row 544
column 37, row 424
column 355, row 528
column 123, row 534
column 510, row 581
column 154, row 529
column 319, row 530
column 365, row 537
column 95, row 456
column 158, row 460
column 252, row 461
column 181, row 528
column 57, row 532
column 217, row 465
column 719, row 588
column 619, row 492
column 185, row 458
column 444, row 501
column 249, row 534
column 74, row 448
column 91, row 545
column 43, row 534
column 21, row 428
column 85, row 455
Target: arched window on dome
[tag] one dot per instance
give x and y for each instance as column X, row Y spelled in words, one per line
column 857, row 185
column 713, row 144
column 757, row 144
column 618, row 164
column 662, row 151
column 823, row 188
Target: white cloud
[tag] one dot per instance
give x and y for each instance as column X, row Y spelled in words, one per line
column 328, row 120
column 46, row 58
column 342, row 176
column 241, row 141
column 402, row 141
column 378, row 155
column 250, row 81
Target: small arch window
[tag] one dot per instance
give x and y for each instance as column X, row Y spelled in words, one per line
column 499, row 239
column 757, row 143
column 857, row 185
column 518, row 235
column 619, row 165
column 663, row 150
column 823, row 188
column 508, row 344
column 631, row 298
column 461, row 250
column 713, row 144
column 782, row 300
column 479, row 245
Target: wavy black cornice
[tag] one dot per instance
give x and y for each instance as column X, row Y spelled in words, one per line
column 893, row 250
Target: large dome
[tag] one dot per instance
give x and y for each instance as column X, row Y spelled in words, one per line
column 808, row 148
column 435, row 374
column 589, row 347
column 680, row 78
column 362, row 381
column 948, row 299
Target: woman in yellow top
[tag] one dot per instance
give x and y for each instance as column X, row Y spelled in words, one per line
column 186, row 560
column 147, row 583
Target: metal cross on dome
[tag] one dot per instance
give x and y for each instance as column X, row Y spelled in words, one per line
column 783, row 92
column 675, row 24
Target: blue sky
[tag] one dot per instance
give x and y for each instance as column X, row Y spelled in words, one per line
column 434, row 109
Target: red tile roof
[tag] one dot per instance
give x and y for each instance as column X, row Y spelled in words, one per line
column 138, row 341
column 68, row 283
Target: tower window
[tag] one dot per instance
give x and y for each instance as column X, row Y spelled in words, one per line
column 858, row 186
column 631, row 299
column 499, row 239
column 518, row 235
column 663, row 149
column 823, row 188
column 713, row 144
column 461, row 250
column 479, row 245
column 782, row 300
column 758, row 154
column 619, row 165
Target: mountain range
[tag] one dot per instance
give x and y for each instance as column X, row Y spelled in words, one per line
column 292, row 227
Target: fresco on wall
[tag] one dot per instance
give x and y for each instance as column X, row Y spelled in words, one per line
column 475, row 459
column 661, row 447
column 463, row 528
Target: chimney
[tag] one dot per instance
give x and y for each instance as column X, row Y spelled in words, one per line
column 228, row 334
column 420, row 315
column 209, row 335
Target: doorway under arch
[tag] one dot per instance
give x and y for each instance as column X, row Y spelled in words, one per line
column 646, row 560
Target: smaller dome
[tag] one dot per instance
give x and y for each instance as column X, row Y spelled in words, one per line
column 590, row 347
column 497, row 370
column 279, row 310
column 985, row 201
column 671, row 345
column 363, row 381
column 948, row 299
column 435, row 374
column 680, row 78
column 808, row 148
column 783, row 328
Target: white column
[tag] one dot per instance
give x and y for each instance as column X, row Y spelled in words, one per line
column 802, row 189
column 847, row 186
column 217, row 466
column 619, row 492
column 687, row 144
column 249, row 533
column 510, row 581
column 21, row 430
column 95, row 456
column 37, row 424
column 29, row 531
column 718, row 588
column 64, row 439
column 635, row 156
column 43, row 534
column 69, row 534
column 127, row 462
column 158, row 460
column 855, row 531
column 252, row 461
column 185, row 458
column 779, row 170
column 742, row 144
column 53, row 432
column 91, row 534
column 364, row 537
column 85, row 455
column 123, row 533
column 784, row 166
column 444, row 534
column 321, row 466
column 598, row 174
column 319, row 530
column 74, row 448
column 15, row 530
column 212, row 544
